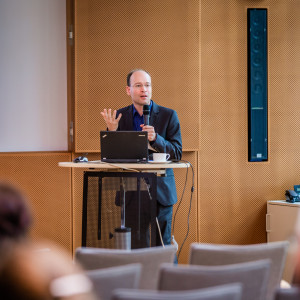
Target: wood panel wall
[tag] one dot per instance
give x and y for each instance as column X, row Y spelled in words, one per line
column 114, row 37
column 48, row 190
column 234, row 192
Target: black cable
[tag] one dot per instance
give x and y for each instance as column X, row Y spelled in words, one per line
column 180, row 201
column 191, row 197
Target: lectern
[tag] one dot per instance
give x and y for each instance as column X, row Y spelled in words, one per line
column 117, row 203
column 120, row 196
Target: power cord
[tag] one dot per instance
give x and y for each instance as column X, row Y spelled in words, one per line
column 191, row 197
column 159, row 231
column 173, row 241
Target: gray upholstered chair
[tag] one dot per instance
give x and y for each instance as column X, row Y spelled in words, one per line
column 108, row 279
column 292, row 293
column 214, row 254
column 252, row 275
column 224, row 292
column 149, row 258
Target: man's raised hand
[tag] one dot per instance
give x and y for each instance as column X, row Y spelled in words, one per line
column 110, row 119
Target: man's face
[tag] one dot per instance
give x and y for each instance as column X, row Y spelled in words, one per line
column 140, row 89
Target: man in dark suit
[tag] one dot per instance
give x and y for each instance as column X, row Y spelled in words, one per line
column 164, row 136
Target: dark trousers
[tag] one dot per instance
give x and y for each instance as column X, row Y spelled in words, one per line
column 137, row 217
column 164, row 216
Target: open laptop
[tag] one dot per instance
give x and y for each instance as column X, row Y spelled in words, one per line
column 124, row 146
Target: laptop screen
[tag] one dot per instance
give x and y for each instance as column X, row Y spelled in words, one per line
column 124, row 146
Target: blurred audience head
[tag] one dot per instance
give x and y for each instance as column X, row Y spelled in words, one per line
column 42, row 272
column 15, row 215
column 34, row 271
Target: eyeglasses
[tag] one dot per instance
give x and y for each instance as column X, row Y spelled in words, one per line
column 139, row 85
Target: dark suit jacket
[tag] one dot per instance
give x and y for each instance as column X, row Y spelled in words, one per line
column 166, row 124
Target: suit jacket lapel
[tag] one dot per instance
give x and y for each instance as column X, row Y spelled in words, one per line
column 127, row 119
column 154, row 114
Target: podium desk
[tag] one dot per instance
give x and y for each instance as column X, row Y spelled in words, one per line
column 128, row 179
column 158, row 168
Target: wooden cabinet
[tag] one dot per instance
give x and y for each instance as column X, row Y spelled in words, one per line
column 281, row 223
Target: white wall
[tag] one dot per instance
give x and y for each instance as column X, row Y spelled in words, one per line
column 33, row 77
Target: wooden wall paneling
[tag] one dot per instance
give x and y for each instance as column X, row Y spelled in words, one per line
column 233, row 192
column 113, row 37
column 77, row 193
column 48, row 189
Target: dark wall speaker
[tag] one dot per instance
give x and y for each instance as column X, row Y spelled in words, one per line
column 257, row 85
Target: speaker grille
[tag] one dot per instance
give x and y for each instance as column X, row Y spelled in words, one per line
column 257, row 85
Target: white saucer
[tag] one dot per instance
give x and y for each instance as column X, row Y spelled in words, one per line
column 159, row 162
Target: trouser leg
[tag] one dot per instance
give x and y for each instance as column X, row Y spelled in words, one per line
column 164, row 216
column 137, row 218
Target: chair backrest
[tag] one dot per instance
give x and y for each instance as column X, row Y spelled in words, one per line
column 211, row 255
column 292, row 293
column 224, row 292
column 252, row 275
column 149, row 258
column 108, row 279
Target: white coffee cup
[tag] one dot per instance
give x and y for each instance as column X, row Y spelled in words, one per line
column 161, row 157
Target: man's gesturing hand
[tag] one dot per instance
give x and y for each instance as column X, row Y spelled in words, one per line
column 151, row 132
column 111, row 121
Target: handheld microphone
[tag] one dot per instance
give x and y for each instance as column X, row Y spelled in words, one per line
column 146, row 113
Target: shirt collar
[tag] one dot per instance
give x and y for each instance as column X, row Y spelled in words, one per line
column 134, row 111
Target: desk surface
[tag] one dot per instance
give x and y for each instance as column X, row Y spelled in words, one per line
column 124, row 166
column 283, row 203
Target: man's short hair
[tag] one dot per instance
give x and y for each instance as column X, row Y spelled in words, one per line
column 132, row 71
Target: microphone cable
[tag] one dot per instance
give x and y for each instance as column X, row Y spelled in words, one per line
column 190, row 207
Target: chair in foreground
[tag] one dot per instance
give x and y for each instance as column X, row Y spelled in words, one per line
column 224, row 292
column 252, row 275
column 105, row 281
column 292, row 293
column 212, row 255
column 149, row 258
